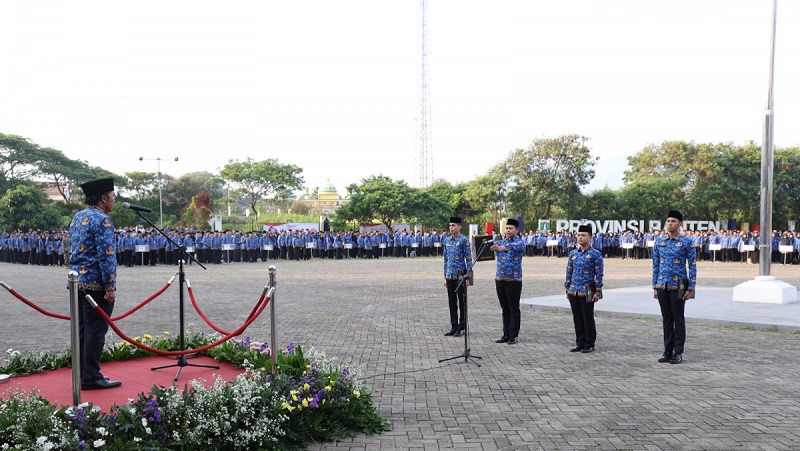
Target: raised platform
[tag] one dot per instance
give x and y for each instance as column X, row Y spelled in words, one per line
column 713, row 305
column 135, row 375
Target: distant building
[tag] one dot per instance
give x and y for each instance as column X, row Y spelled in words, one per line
column 327, row 200
column 50, row 189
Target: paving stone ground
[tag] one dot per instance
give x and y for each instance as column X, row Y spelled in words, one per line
column 737, row 390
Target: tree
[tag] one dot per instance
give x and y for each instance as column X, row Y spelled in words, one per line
column 258, row 179
column 177, row 193
column 486, row 194
column 298, row 207
column 431, row 210
column 651, row 198
column 196, row 215
column 786, row 193
column 548, row 174
column 733, row 189
column 602, row 203
column 379, row 198
column 140, row 185
column 690, row 165
column 283, row 200
column 16, row 156
column 27, row 207
column 22, row 159
column 452, row 195
column 65, row 172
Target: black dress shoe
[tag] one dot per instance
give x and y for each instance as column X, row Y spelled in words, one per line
column 451, row 333
column 100, row 385
column 502, row 339
column 587, row 349
column 459, row 333
column 578, row 348
column 665, row 357
column 676, row 359
column 512, row 340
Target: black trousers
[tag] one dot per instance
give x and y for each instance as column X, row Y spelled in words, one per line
column 674, row 322
column 93, row 334
column 508, row 293
column 583, row 317
column 457, row 304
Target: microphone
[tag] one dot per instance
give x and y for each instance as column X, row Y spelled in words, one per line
column 136, row 207
column 489, row 241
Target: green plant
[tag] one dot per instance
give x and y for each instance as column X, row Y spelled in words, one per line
column 307, row 397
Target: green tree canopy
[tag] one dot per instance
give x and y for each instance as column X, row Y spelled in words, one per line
column 16, row 156
column 140, row 185
column 548, row 174
column 27, row 207
column 258, row 179
column 380, row 198
column 486, row 194
column 453, row 196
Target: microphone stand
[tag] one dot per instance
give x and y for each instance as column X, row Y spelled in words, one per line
column 181, row 282
column 461, row 279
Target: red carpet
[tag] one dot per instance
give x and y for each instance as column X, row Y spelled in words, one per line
column 136, row 377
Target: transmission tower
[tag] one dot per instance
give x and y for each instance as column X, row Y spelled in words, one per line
column 425, row 161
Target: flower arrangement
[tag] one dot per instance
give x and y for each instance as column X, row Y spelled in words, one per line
column 308, row 397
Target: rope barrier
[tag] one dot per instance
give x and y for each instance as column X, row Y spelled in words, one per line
column 146, row 301
column 65, row 317
column 227, row 337
column 32, row 305
column 207, row 320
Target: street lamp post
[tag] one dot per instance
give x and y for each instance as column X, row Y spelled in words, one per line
column 160, row 202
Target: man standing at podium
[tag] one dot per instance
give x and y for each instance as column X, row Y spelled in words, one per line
column 508, row 280
column 93, row 257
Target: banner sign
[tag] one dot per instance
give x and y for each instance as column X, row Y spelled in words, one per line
column 634, row 225
column 287, row 226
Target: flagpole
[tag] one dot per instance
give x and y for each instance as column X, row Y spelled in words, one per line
column 765, row 288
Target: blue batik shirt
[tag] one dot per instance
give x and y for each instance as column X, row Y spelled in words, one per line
column 457, row 255
column 509, row 263
column 584, row 268
column 671, row 257
column 92, row 250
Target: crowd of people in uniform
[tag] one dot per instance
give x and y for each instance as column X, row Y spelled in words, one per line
column 135, row 247
column 733, row 245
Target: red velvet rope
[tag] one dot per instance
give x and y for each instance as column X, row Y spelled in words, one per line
column 143, row 303
column 208, row 321
column 36, row 307
column 227, row 337
column 56, row 315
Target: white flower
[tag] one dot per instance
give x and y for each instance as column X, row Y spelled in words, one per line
column 98, row 443
column 102, row 431
column 144, row 422
column 136, row 440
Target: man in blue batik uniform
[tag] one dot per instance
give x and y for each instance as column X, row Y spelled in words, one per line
column 457, row 257
column 584, row 268
column 93, row 257
column 673, row 255
column 508, row 279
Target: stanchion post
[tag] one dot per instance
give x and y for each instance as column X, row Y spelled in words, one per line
column 75, row 337
column 273, row 319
